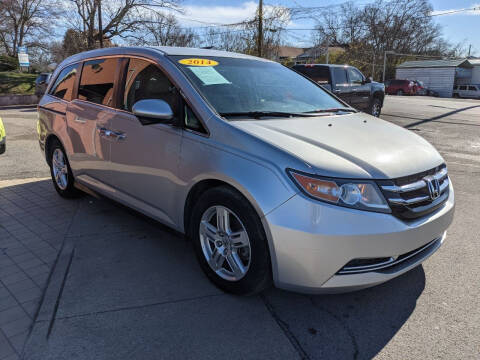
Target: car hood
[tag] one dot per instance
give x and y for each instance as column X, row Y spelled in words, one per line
column 350, row 146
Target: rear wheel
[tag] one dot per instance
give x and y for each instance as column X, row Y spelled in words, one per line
column 400, row 92
column 61, row 172
column 230, row 242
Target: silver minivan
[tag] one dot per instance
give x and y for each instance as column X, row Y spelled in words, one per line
column 273, row 178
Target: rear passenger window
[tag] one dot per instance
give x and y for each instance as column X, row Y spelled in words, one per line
column 145, row 80
column 473, row 88
column 63, row 86
column 463, row 88
column 340, row 76
column 317, row 73
column 96, row 83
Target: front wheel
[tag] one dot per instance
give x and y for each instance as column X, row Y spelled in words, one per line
column 376, row 107
column 400, row 92
column 61, row 172
column 230, row 242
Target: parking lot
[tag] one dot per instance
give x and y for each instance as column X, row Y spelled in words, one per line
column 90, row 279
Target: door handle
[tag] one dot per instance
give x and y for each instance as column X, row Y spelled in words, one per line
column 112, row 135
column 79, row 120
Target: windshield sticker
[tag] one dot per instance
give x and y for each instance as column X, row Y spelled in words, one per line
column 198, row 62
column 208, row 75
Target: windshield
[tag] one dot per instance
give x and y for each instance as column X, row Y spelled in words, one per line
column 235, row 86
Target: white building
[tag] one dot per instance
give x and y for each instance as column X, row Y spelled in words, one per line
column 475, row 71
column 438, row 75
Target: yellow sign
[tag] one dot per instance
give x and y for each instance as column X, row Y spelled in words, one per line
column 198, row 62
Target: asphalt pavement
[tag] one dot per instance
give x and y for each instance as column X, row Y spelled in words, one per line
column 125, row 287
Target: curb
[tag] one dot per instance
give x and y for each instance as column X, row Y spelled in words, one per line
column 6, row 100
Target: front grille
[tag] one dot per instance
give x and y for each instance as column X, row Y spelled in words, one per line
column 410, row 197
column 358, row 266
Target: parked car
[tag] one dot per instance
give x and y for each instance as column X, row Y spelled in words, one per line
column 348, row 83
column 466, row 91
column 3, row 138
column 422, row 89
column 41, row 83
column 271, row 177
column 400, row 87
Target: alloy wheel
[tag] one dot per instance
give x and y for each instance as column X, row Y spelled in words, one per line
column 376, row 109
column 225, row 243
column 60, row 169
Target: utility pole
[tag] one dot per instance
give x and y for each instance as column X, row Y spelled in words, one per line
column 260, row 28
column 327, row 51
column 373, row 65
column 385, row 62
column 100, row 31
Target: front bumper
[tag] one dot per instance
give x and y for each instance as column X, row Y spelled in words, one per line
column 311, row 241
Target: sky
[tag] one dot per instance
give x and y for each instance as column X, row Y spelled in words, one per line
column 457, row 28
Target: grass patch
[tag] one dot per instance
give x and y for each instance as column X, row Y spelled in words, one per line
column 17, row 83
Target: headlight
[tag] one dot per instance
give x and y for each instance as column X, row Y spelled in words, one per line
column 357, row 194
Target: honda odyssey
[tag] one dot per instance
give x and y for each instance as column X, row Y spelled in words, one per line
column 273, row 178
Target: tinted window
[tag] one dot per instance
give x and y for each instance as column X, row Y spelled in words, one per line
column 472, row 88
column 463, row 88
column 145, row 80
column 96, row 83
column 63, row 86
column 320, row 74
column 354, row 76
column 339, row 76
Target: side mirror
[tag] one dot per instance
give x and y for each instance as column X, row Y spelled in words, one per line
column 368, row 80
column 152, row 111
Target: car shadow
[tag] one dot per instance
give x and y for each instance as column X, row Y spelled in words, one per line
column 437, row 117
column 355, row 325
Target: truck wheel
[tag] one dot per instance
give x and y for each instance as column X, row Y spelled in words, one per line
column 400, row 92
column 230, row 242
column 375, row 107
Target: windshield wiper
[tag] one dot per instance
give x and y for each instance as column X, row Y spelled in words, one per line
column 332, row 110
column 259, row 114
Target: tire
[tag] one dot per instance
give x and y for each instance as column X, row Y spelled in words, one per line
column 63, row 183
column 249, row 254
column 456, row 96
column 375, row 107
column 400, row 92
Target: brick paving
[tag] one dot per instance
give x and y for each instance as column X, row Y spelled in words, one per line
column 34, row 220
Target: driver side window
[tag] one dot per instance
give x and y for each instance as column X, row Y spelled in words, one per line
column 145, row 80
column 354, row 76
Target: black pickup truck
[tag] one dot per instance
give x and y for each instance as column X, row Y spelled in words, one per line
column 348, row 83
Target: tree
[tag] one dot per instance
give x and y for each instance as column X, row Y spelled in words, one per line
column 242, row 37
column 164, row 30
column 120, row 18
column 24, row 22
column 403, row 26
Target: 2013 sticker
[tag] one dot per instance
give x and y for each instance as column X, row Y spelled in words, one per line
column 198, row 62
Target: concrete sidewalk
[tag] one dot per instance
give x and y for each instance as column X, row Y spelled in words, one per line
column 33, row 223
column 125, row 287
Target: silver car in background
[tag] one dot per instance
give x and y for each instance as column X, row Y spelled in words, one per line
column 273, row 178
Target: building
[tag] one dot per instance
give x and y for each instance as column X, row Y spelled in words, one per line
column 438, row 75
column 475, row 71
column 286, row 53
